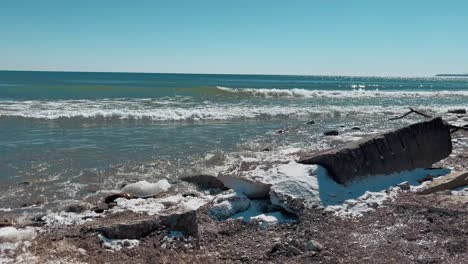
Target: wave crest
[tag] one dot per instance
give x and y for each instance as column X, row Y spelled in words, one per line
column 358, row 91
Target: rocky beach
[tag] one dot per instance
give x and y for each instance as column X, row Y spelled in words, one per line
column 261, row 210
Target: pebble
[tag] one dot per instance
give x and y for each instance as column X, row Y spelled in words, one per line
column 313, row 245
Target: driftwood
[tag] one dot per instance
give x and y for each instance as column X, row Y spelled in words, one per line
column 453, row 128
column 416, row 146
column 411, row 111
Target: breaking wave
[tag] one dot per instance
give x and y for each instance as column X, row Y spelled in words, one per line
column 145, row 109
column 357, row 91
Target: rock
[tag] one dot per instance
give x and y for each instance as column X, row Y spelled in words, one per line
column 146, row 189
column 331, row 133
column 77, row 207
column 266, row 149
column 405, row 186
column 205, row 181
column 416, row 146
column 356, row 128
column 294, row 250
column 100, row 208
column 310, row 122
column 111, row 198
column 457, row 111
column 185, row 222
column 280, row 131
column 228, row 204
column 4, row 223
column 130, row 230
column 313, row 245
column 448, row 182
column 427, row 178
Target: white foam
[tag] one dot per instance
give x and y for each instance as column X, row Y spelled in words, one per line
column 358, row 91
column 135, row 110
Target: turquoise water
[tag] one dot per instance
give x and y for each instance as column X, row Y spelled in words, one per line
column 69, row 134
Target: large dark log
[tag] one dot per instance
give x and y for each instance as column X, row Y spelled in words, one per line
column 416, row 146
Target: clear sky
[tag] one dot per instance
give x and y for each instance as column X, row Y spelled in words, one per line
column 394, row 37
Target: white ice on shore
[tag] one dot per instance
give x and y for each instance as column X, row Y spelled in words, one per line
column 258, row 211
column 118, row 244
column 146, row 189
column 11, row 234
column 154, row 206
column 13, row 239
column 311, row 185
column 228, row 204
column 68, row 218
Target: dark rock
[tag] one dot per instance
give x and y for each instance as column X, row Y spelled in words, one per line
column 331, row 133
column 131, row 230
column 280, row 131
column 310, row 122
column 342, row 126
column 4, row 223
column 100, row 208
column 38, row 217
column 185, row 222
column 457, row 111
column 266, row 149
column 448, row 182
column 75, row 207
column 427, row 178
column 405, row 186
column 111, row 198
column 205, row 181
column 416, row 146
column 355, row 128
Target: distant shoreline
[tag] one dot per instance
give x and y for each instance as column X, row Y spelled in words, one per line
column 452, row 75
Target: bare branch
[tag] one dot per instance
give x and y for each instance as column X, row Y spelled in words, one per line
column 411, row 111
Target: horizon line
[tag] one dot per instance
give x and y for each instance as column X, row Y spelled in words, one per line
column 252, row 74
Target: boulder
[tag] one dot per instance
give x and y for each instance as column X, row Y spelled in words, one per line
column 146, row 189
column 185, row 222
column 448, row 182
column 205, row 181
column 131, row 230
column 416, row 146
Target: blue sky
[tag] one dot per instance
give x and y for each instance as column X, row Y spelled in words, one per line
column 404, row 38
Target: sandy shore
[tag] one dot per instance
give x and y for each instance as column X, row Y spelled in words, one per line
column 408, row 229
